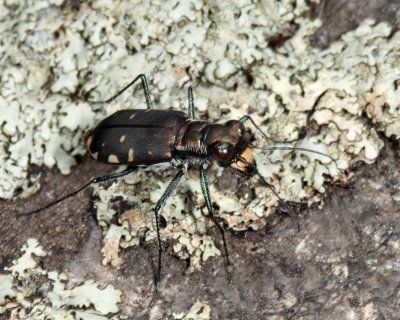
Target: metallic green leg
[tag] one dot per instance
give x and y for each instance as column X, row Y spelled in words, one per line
column 191, row 104
column 171, row 187
column 146, row 91
column 206, row 192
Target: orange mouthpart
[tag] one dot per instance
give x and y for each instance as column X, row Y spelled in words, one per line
column 240, row 165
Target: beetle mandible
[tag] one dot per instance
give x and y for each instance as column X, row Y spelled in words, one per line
column 176, row 139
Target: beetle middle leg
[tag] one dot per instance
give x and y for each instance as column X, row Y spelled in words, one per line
column 206, row 193
column 191, row 104
column 171, row 187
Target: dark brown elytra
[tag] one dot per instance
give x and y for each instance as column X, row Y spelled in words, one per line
column 123, row 137
column 171, row 138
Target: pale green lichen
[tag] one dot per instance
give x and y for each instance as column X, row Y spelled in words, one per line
column 6, row 289
column 47, row 53
column 22, row 294
column 86, row 295
column 26, row 261
column 41, row 126
column 199, row 311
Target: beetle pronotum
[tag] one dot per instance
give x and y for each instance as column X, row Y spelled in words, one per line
column 176, row 139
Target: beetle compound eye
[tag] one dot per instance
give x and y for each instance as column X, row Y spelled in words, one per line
column 223, row 151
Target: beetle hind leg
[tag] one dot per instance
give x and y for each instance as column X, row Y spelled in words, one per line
column 109, row 177
column 142, row 77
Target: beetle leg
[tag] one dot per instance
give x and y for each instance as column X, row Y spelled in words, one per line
column 206, row 192
column 145, row 88
column 146, row 91
column 95, row 180
column 191, row 104
column 171, row 187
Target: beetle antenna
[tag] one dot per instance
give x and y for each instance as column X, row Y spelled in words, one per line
column 272, row 148
column 246, row 117
column 73, row 193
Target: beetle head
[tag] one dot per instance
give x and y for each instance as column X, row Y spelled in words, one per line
column 229, row 147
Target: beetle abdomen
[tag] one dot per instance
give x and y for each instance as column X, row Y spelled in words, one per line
column 135, row 137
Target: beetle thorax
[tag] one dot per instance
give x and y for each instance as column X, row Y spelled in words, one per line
column 204, row 139
column 190, row 138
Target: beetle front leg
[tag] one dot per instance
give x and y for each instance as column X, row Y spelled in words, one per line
column 206, row 192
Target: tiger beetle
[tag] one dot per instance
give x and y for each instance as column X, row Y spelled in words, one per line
column 170, row 138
